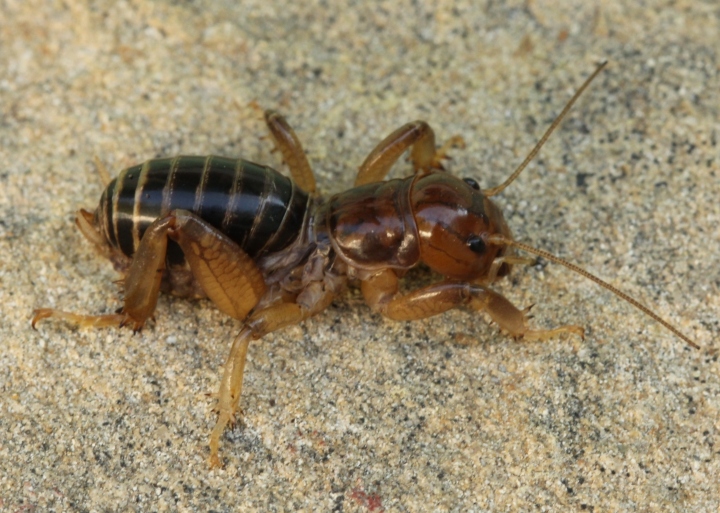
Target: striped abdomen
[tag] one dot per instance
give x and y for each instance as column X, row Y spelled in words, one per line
column 257, row 207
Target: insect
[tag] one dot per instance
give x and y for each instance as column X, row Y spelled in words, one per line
column 267, row 250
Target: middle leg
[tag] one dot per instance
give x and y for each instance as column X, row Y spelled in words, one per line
column 313, row 299
column 424, row 156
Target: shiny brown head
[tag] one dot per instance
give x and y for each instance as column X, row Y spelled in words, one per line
column 454, row 221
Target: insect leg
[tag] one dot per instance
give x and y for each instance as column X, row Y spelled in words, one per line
column 229, row 393
column 85, row 221
column 512, row 319
column 225, row 272
column 291, row 149
column 314, row 298
column 102, row 169
column 423, row 155
column 381, row 293
column 142, row 283
column 494, row 271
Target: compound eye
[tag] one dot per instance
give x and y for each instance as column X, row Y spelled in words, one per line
column 476, row 244
column 472, row 183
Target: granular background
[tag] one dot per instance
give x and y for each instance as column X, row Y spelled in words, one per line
column 349, row 411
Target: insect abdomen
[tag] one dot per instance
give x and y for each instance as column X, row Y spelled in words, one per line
column 257, row 207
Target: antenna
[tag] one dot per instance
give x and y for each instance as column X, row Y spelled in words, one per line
column 501, row 240
column 548, row 132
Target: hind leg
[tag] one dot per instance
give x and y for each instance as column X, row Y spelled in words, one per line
column 229, row 278
column 142, row 283
column 291, row 149
column 226, row 273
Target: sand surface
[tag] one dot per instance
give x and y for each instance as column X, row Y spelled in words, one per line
column 349, row 411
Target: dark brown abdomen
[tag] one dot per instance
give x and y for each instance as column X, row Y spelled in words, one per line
column 257, row 207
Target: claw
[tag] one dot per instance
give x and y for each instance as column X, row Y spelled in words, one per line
column 214, row 461
column 137, row 326
column 254, row 105
column 40, row 314
column 455, row 142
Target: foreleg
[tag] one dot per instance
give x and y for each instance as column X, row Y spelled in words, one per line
column 381, row 294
